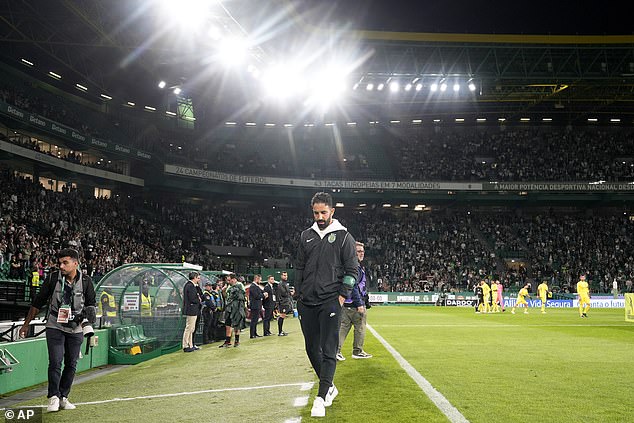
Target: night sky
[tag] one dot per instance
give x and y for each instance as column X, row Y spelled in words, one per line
column 487, row 17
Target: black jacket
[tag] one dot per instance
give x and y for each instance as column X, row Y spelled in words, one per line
column 191, row 300
column 255, row 297
column 269, row 302
column 322, row 263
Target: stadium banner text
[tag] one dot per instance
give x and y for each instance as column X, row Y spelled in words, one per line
column 66, row 132
column 393, row 185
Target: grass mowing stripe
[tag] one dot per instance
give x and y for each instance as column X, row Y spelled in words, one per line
column 436, row 397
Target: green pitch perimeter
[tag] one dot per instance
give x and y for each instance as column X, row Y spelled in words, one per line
column 553, row 367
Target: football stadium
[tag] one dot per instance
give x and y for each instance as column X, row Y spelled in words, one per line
column 285, row 211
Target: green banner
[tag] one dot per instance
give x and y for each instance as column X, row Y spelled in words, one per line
column 68, row 133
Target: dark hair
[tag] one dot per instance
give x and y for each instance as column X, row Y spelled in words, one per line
column 193, row 275
column 322, row 198
column 68, row 252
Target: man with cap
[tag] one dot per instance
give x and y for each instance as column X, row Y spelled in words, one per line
column 71, row 300
column 209, row 307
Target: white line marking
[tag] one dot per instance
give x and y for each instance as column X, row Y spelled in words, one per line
column 436, row 397
column 293, row 420
column 307, row 386
column 504, row 325
column 300, row 402
column 178, row 394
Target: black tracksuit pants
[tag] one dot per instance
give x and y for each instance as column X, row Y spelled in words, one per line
column 320, row 326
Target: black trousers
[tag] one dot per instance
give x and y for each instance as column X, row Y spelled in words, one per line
column 62, row 346
column 253, row 326
column 266, row 322
column 208, row 326
column 320, row 326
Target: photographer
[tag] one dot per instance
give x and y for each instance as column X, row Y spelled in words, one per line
column 71, row 302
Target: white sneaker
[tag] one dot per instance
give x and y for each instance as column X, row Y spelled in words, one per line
column 319, row 408
column 340, row 357
column 64, row 404
column 53, row 404
column 362, row 354
column 526, row 312
column 512, row 311
column 331, row 395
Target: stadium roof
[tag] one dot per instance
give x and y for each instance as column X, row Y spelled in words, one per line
column 543, row 59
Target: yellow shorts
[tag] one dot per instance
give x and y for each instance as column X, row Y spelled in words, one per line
column 520, row 301
column 584, row 299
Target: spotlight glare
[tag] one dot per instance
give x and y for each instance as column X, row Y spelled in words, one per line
column 472, row 86
column 162, row 84
column 370, row 87
column 419, row 87
column 381, row 86
column 394, row 86
column 233, row 51
column 408, row 87
column 434, row 87
column 443, row 87
column 456, row 87
column 177, row 90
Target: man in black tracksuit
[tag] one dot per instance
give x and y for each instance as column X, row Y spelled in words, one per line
column 326, row 269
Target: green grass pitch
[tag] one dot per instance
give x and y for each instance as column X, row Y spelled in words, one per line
column 553, row 367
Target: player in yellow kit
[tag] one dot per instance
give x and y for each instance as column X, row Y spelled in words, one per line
column 542, row 291
column 583, row 291
column 495, row 306
column 486, row 291
column 521, row 299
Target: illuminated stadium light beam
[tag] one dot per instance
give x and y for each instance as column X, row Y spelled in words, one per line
column 380, row 86
column 472, row 87
column 394, row 86
column 408, row 87
column 177, row 90
column 456, row 87
column 233, row 51
column 443, row 87
column 370, row 87
column 433, row 87
column 186, row 13
column 282, row 81
column 419, row 86
column 162, row 84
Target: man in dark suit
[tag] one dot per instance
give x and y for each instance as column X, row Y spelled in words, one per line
column 256, row 295
column 269, row 305
column 191, row 309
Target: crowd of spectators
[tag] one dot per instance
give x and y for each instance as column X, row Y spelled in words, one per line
column 407, row 251
column 514, row 154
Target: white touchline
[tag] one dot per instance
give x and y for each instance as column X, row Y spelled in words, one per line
column 436, row 397
column 178, row 394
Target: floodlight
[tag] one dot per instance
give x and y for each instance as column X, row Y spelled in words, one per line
column 394, row 86
column 233, row 51
column 434, row 87
column 162, row 84
column 177, row 90
column 456, row 87
column 443, row 87
column 370, row 87
column 472, row 86
column 419, row 86
column 408, row 87
column 380, row 86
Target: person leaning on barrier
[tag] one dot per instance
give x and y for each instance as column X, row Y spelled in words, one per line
column 70, row 296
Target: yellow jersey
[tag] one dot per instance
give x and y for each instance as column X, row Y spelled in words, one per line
column 522, row 294
column 542, row 289
column 485, row 289
column 582, row 288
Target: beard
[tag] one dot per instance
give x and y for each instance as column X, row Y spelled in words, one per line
column 323, row 224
